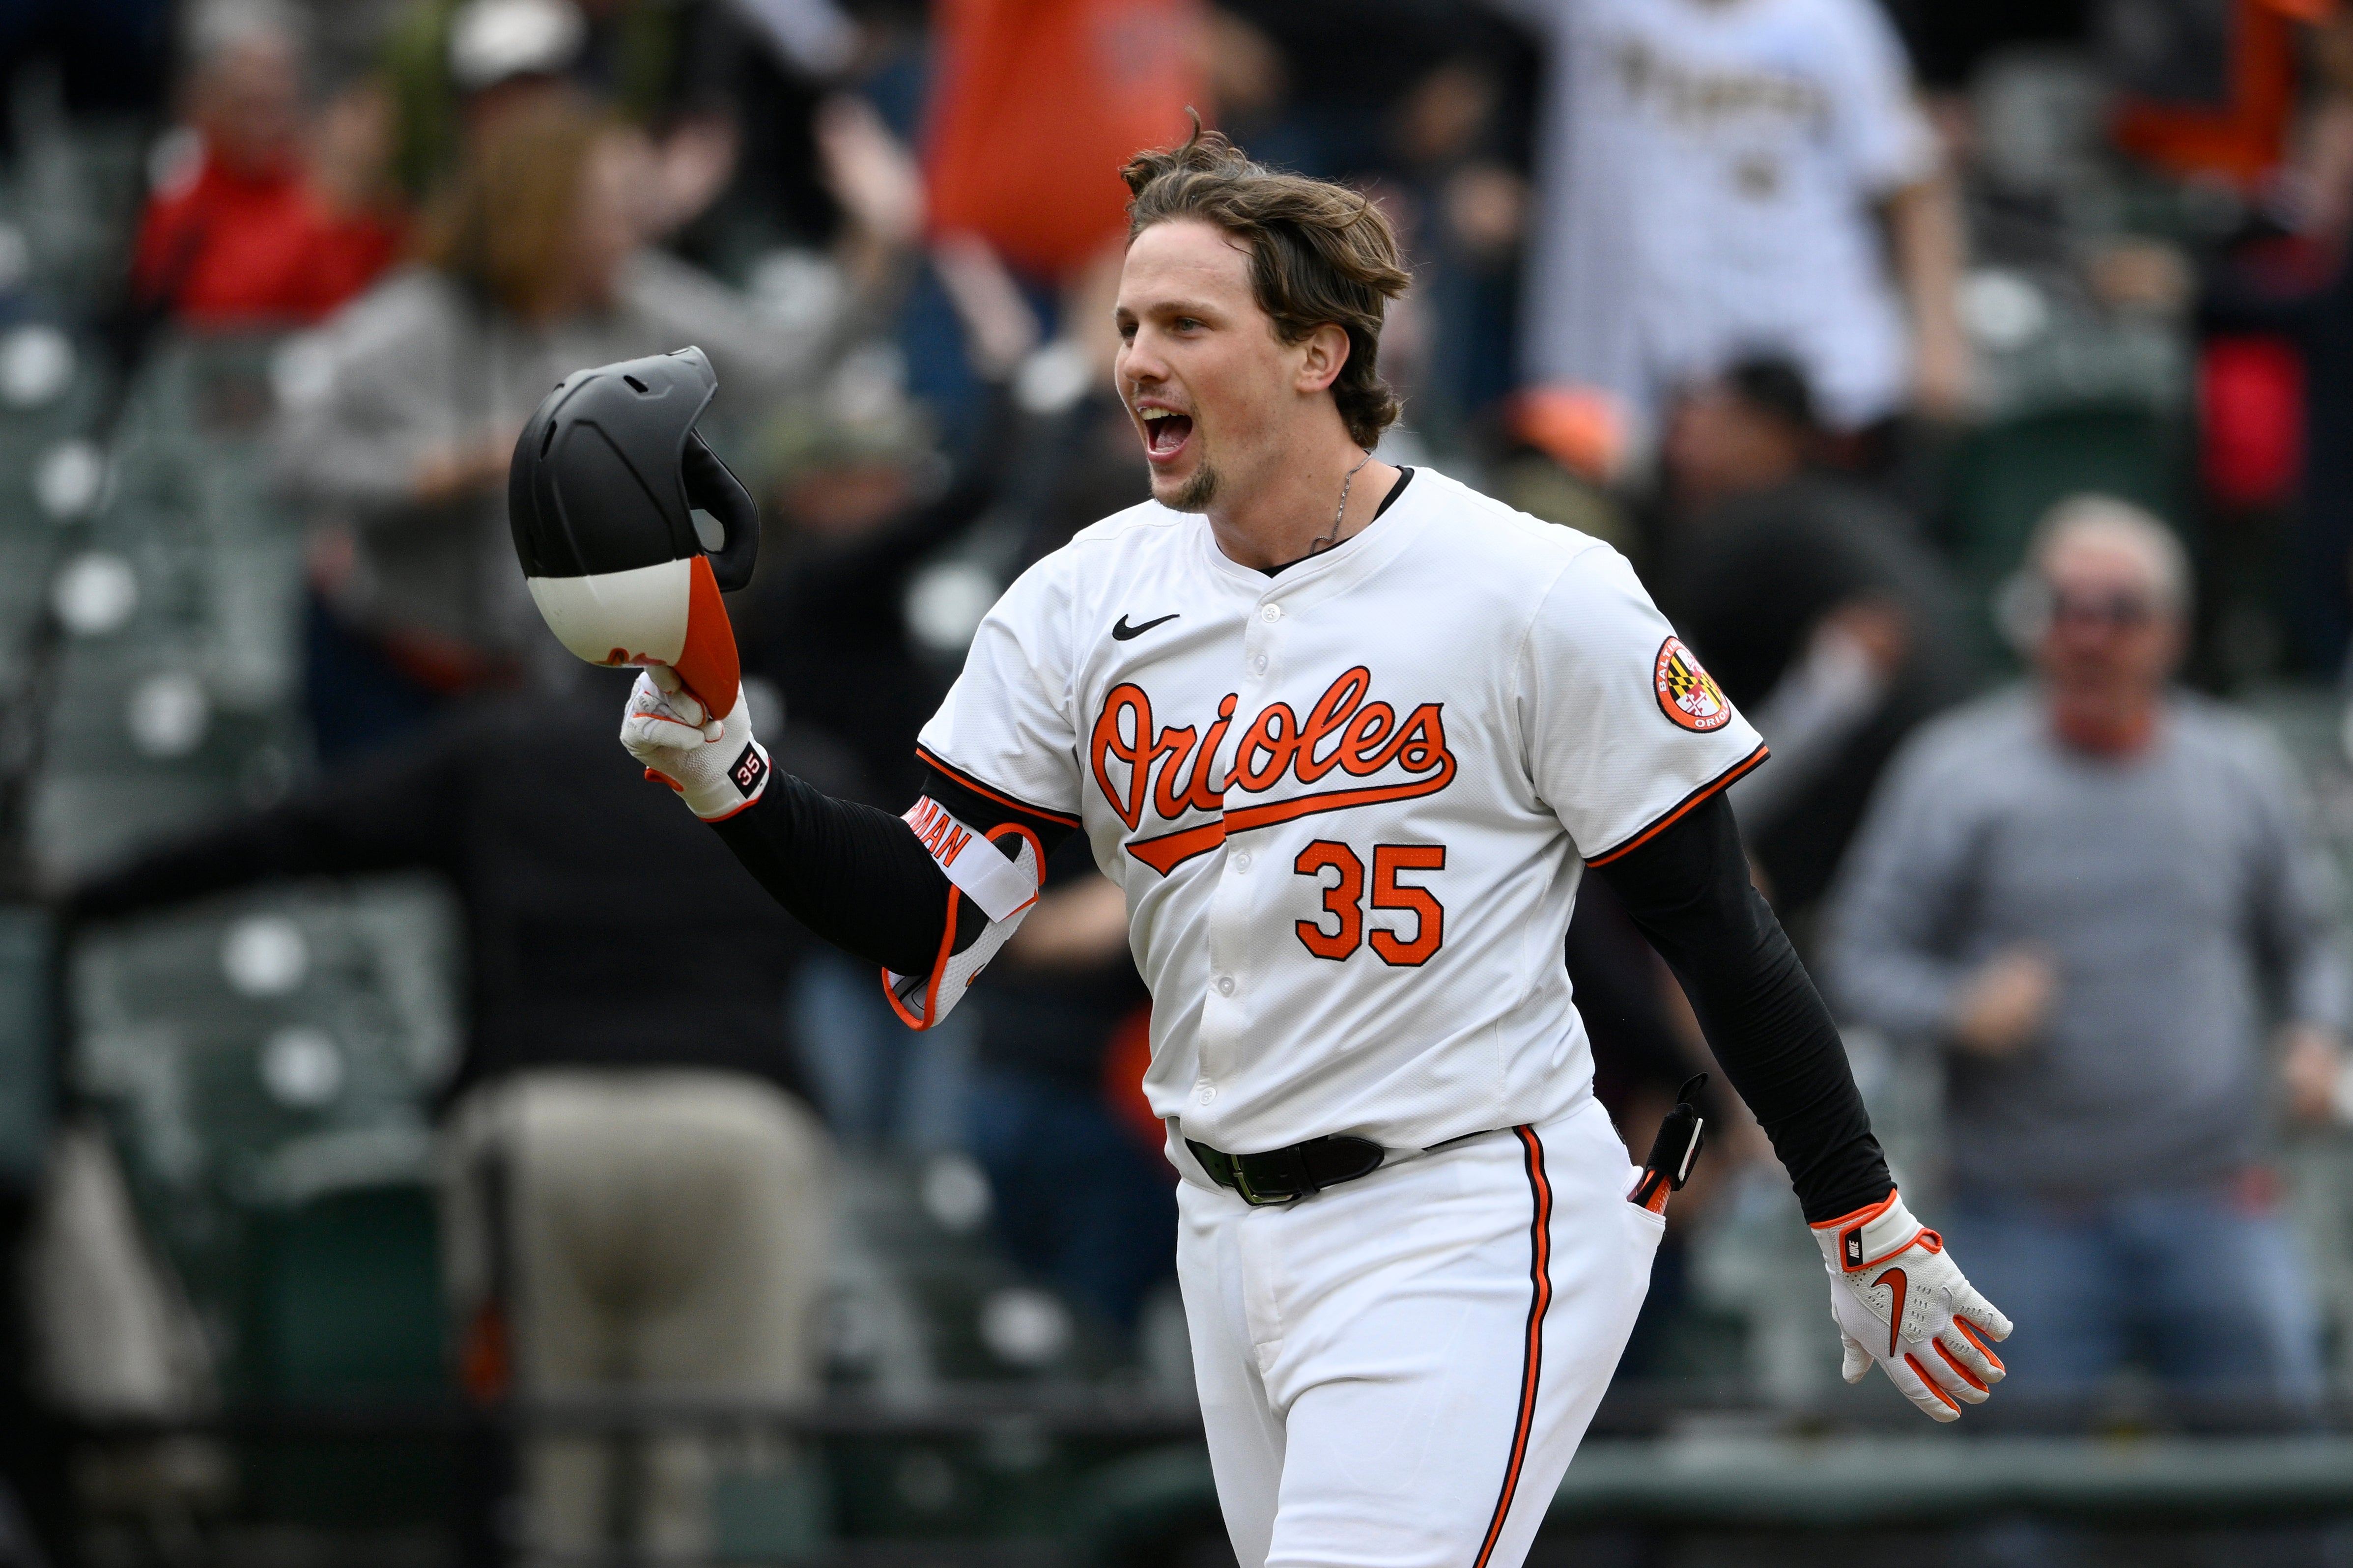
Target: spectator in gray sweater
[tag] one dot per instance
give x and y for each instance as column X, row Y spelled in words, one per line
column 399, row 430
column 2100, row 898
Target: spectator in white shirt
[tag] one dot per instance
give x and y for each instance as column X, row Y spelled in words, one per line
column 1719, row 179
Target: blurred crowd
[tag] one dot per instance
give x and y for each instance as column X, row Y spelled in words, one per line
column 1971, row 385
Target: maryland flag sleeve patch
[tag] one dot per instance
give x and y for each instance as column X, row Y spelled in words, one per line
column 1688, row 695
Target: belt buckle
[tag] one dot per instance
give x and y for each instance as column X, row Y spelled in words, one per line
column 1228, row 1172
column 1249, row 1195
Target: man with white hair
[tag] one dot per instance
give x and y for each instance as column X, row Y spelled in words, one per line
column 2101, row 898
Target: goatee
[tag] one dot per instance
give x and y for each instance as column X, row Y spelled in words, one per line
column 1195, row 493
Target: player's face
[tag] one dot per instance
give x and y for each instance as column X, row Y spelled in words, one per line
column 1207, row 382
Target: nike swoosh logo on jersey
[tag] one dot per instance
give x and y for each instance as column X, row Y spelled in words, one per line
column 1122, row 631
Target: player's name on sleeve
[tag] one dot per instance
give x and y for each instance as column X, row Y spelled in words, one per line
column 989, row 878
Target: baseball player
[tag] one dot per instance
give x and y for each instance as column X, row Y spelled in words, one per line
column 1347, row 736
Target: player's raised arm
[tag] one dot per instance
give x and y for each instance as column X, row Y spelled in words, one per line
column 607, row 479
column 1628, row 727
column 929, row 897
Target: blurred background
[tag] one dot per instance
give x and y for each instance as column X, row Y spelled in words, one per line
column 1972, row 384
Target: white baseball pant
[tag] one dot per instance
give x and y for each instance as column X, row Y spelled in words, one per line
column 1395, row 1372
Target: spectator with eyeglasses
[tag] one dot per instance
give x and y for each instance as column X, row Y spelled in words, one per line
column 2101, row 900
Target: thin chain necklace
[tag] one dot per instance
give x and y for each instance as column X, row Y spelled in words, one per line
column 1330, row 533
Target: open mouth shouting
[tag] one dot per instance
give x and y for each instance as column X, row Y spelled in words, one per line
column 1166, row 431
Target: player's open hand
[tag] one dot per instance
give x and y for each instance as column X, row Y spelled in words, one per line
column 714, row 763
column 1899, row 1299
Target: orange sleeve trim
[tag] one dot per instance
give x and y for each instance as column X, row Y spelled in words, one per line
column 1724, row 780
column 923, row 755
column 1863, row 1215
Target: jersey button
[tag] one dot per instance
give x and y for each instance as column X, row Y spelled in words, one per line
column 1271, row 613
column 1241, row 861
column 1225, row 984
column 1257, row 665
column 1207, row 1095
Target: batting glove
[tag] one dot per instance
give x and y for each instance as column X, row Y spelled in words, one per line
column 1899, row 1299
column 714, row 764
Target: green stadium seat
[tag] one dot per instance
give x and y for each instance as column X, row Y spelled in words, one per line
column 267, row 1085
column 2006, row 474
column 27, row 1040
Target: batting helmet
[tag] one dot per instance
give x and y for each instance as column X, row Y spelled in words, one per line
column 607, row 477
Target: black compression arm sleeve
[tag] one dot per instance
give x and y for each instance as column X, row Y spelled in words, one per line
column 857, row 876
column 853, row 874
column 1688, row 889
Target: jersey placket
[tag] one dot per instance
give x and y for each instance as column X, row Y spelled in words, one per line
column 1230, row 1004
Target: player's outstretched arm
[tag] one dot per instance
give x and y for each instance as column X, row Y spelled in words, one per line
column 1895, row 1293
column 929, row 898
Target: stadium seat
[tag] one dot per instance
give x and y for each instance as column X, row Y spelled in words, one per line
column 264, row 1064
column 2006, row 474
column 27, row 1076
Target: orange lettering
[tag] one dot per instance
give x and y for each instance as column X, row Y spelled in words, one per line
column 1423, row 745
column 1276, row 733
column 1203, row 794
column 1361, row 750
column 1134, row 746
column 1175, row 746
column 1330, row 715
column 1176, row 772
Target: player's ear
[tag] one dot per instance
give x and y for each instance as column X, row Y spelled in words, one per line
column 1325, row 355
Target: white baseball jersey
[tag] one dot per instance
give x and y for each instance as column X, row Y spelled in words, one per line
column 1349, row 803
column 1708, row 171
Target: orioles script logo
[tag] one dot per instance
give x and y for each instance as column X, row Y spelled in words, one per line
column 1172, row 770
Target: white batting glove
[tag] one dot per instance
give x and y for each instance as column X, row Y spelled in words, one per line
column 716, row 765
column 1899, row 1299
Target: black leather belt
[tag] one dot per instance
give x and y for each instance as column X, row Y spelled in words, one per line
column 1285, row 1175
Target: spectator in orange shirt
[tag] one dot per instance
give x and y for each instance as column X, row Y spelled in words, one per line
column 247, row 230
column 1036, row 106
column 2209, row 92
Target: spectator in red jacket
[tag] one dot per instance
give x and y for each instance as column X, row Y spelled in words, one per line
column 270, row 215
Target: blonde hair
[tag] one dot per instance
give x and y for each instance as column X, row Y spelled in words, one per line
column 505, row 222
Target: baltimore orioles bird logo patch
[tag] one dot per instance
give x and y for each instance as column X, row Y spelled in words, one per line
column 1688, row 694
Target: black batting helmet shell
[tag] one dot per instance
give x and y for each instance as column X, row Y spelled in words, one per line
column 607, row 477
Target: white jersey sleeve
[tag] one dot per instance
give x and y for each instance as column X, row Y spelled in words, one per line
column 1007, row 728
column 1625, row 732
column 1884, row 139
